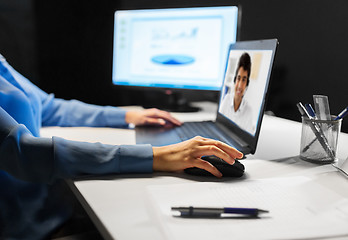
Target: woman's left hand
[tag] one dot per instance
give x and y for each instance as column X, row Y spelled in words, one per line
column 151, row 116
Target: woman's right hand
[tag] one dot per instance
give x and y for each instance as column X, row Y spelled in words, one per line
column 188, row 154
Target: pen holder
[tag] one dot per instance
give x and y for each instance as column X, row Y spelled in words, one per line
column 319, row 140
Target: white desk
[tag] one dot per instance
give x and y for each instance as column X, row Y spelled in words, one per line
column 120, row 205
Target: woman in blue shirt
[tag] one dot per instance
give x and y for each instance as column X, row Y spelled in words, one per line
column 30, row 165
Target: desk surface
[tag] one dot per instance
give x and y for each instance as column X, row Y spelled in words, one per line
column 120, row 205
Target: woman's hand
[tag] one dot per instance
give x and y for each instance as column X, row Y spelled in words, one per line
column 151, row 117
column 188, row 154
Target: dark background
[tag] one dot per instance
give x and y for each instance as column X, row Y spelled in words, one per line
column 65, row 47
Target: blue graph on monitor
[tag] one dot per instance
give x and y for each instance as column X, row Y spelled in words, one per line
column 172, row 59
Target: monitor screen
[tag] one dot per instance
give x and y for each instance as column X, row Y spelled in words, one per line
column 179, row 48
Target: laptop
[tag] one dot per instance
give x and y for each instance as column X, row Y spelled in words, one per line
column 241, row 102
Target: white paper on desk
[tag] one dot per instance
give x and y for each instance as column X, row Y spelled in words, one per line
column 299, row 208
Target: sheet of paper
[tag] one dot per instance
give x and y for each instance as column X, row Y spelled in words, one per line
column 299, row 209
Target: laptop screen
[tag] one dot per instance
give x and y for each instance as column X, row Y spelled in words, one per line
column 245, row 85
column 244, row 88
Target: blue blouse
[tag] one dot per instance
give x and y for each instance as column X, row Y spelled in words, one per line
column 31, row 166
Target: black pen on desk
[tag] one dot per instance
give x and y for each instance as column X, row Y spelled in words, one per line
column 216, row 212
column 316, row 130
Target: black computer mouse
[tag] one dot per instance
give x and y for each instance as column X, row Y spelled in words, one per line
column 227, row 170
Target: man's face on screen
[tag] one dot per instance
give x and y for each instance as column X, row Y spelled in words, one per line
column 240, row 83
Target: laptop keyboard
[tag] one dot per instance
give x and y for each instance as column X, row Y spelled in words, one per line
column 191, row 129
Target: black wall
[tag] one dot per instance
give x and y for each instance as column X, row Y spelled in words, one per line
column 71, row 47
column 18, row 36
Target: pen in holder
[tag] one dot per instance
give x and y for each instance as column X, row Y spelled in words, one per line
column 319, row 139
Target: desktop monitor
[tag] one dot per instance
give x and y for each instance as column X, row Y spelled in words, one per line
column 174, row 48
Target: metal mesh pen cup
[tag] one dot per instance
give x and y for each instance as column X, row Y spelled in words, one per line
column 319, row 140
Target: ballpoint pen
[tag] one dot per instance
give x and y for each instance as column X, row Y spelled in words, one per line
column 310, row 110
column 342, row 114
column 339, row 116
column 316, row 130
column 216, row 212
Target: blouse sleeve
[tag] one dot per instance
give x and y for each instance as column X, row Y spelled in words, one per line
column 70, row 113
column 43, row 159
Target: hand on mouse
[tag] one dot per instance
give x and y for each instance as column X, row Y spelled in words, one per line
column 188, row 154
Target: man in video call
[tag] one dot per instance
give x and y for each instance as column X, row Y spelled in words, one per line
column 234, row 105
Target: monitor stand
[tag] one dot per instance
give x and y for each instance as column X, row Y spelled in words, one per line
column 169, row 100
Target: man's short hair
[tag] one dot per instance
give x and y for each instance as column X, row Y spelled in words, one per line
column 245, row 63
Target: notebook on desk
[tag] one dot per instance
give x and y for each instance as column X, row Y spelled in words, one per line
column 241, row 104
